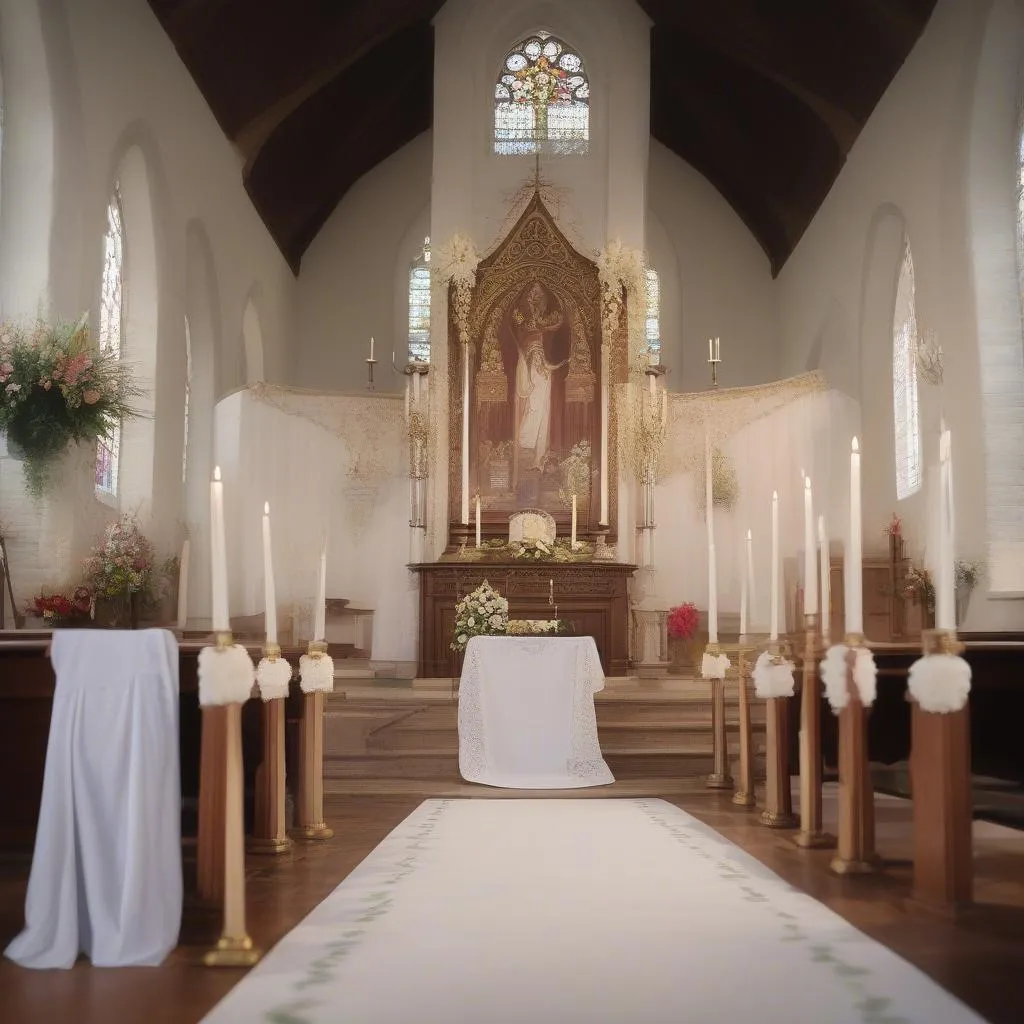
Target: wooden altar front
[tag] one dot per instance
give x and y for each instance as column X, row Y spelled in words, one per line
column 592, row 596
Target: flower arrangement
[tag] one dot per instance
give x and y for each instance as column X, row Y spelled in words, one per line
column 484, row 612
column 456, row 264
column 682, row 621
column 536, row 627
column 895, row 527
column 559, row 550
column 918, row 587
column 57, row 608
column 57, row 388
column 966, row 575
column 575, row 469
column 123, row 564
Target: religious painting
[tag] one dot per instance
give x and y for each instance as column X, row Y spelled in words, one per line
column 535, row 388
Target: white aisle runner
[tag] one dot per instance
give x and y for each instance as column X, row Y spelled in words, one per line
column 575, row 912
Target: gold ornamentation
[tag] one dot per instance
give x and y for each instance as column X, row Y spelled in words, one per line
column 455, row 266
column 317, row 648
column 272, row 652
column 225, row 640
column 231, row 952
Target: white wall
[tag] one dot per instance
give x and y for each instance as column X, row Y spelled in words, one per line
column 353, row 283
column 907, row 172
column 88, row 86
column 715, row 280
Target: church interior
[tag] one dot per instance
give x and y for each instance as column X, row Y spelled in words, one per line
column 479, row 537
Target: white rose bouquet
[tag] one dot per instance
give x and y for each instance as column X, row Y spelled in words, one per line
column 481, row 613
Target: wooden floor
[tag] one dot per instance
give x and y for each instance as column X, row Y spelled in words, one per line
column 981, row 960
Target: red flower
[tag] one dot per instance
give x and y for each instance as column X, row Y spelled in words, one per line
column 682, row 621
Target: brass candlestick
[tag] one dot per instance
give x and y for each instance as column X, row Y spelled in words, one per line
column 310, row 812
column 744, row 795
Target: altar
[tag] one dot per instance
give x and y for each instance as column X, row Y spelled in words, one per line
column 526, row 713
column 592, row 597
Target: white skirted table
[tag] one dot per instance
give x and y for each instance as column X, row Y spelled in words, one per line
column 526, row 713
column 106, row 873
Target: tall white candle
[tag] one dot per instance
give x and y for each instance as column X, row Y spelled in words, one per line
column 464, row 500
column 478, row 520
column 709, row 489
column 416, row 391
column 810, row 553
column 651, row 381
column 183, row 584
column 605, row 427
column 573, row 541
column 751, row 591
column 945, row 582
column 269, row 593
column 320, row 623
column 826, row 584
column 718, row 350
column 711, row 350
column 712, row 596
column 743, row 598
column 371, row 348
column 408, row 387
column 853, row 569
column 218, row 551
column 774, row 582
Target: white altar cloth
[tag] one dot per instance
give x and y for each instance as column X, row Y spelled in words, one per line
column 106, row 872
column 526, row 713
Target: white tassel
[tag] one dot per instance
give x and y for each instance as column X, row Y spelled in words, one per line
column 833, row 674
column 940, row 683
column 226, row 675
column 273, row 678
column 773, row 677
column 714, row 666
column 316, row 674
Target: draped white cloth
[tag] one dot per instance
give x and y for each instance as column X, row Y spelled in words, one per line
column 526, row 713
column 106, row 873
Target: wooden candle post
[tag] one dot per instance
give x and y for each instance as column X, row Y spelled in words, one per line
column 269, row 834
column 719, row 777
column 856, row 841
column 778, row 797
column 309, row 815
column 810, row 835
column 212, row 783
column 744, row 795
column 940, row 772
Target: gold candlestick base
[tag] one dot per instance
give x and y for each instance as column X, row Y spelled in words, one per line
column 275, row 846
column 318, row 831
column 778, row 819
column 317, row 648
column 743, row 799
column 272, row 652
column 231, row 952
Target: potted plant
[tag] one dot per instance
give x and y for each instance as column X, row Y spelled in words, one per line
column 60, row 610
column 120, row 574
column 682, row 622
column 57, row 388
column 966, row 575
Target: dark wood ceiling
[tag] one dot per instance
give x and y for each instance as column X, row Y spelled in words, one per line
column 763, row 97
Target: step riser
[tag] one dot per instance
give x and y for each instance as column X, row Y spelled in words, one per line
column 445, row 768
column 399, row 739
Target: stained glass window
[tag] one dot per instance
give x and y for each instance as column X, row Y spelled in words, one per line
column 108, row 449
column 188, row 397
column 419, row 306
column 541, row 99
column 653, row 322
column 906, row 414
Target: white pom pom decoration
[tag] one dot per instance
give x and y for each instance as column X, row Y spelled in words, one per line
column 773, row 677
column 226, row 675
column 273, row 677
column 316, row 674
column 714, row 666
column 940, row 683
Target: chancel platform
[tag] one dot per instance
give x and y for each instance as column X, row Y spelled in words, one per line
column 592, row 596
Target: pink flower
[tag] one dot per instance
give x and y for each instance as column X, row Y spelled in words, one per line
column 90, row 397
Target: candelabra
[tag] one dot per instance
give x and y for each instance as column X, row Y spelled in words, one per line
column 714, row 358
column 416, row 419
column 652, row 426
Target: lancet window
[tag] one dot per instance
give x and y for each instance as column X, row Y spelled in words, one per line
column 906, row 413
column 419, row 306
column 653, row 320
column 111, row 332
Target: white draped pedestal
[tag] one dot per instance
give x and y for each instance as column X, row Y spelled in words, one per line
column 526, row 713
column 106, row 873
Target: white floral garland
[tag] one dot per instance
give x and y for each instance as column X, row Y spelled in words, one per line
column 620, row 267
column 457, row 261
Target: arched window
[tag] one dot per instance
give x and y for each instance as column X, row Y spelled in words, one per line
column 1020, row 207
column 653, row 321
column 108, row 449
column 188, row 397
column 419, row 306
column 904, row 382
column 541, row 99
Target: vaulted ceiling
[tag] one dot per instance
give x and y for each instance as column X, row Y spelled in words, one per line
column 763, row 97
